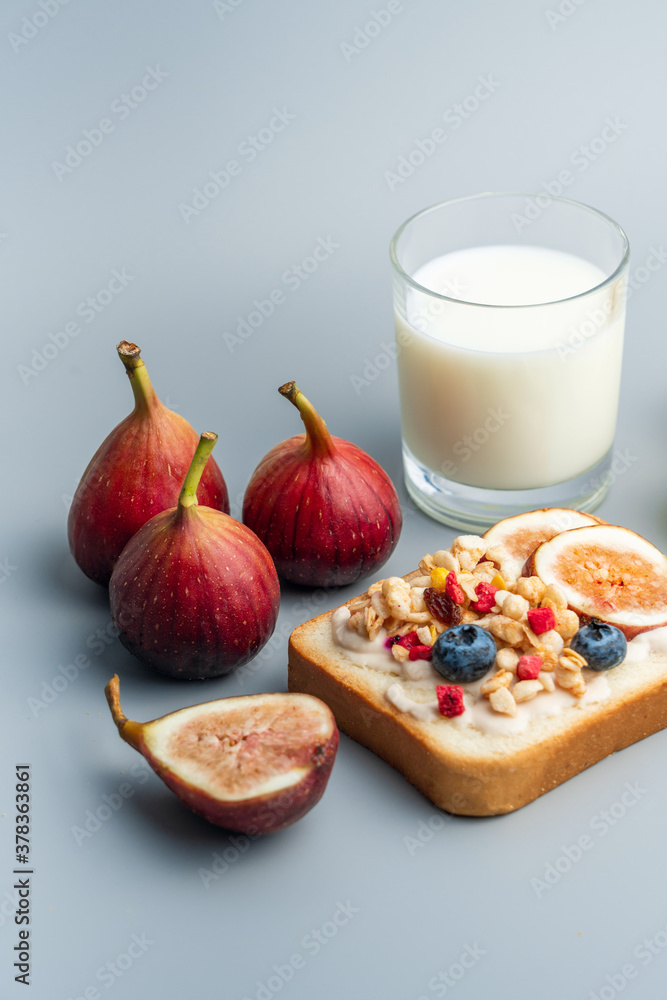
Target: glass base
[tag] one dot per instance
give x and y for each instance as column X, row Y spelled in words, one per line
column 474, row 509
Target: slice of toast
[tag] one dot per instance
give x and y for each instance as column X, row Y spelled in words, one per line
column 458, row 767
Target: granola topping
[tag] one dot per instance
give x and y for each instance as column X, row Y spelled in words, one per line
column 394, row 625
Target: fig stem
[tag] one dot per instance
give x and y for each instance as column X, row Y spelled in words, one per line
column 144, row 393
column 318, row 438
column 206, row 444
column 129, row 730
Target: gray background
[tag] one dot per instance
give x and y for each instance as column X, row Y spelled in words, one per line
column 417, row 904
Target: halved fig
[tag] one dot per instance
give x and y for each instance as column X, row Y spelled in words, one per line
column 606, row 572
column 520, row 535
column 255, row 763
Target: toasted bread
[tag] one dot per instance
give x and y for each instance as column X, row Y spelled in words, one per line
column 459, row 767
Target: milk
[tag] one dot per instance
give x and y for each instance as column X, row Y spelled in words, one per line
column 519, row 396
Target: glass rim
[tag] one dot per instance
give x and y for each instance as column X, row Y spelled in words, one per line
column 507, row 194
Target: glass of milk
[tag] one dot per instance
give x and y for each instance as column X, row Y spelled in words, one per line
column 509, row 311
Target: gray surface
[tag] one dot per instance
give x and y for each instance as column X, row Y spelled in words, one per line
column 323, row 176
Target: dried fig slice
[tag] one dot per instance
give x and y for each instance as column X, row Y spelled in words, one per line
column 606, row 572
column 254, row 763
column 518, row 536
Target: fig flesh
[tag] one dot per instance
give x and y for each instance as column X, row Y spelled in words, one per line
column 516, row 537
column 136, row 472
column 326, row 511
column 606, row 572
column 194, row 593
column 255, row 763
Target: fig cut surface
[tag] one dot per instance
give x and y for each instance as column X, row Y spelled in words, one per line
column 606, row 572
column 520, row 535
column 240, row 747
column 254, row 763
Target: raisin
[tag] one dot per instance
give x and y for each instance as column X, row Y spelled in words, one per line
column 441, row 606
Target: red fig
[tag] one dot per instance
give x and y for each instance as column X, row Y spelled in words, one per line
column 256, row 763
column 136, row 472
column 326, row 511
column 194, row 593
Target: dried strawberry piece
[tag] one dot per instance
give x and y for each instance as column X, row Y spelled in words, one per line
column 421, row 652
column 486, row 598
column 541, row 619
column 391, row 641
column 528, row 667
column 409, row 640
column 441, row 606
column 453, row 589
column 450, row 700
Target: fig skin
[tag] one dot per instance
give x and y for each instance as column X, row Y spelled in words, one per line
column 258, row 814
column 194, row 593
column 326, row 511
column 137, row 471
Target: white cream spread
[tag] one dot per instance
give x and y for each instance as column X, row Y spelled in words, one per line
column 360, row 649
column 645, row 643
column 478, row 712
column 424, row 711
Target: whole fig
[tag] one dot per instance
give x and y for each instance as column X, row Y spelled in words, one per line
column 136, row 472
column 326, row 511
column 194, row 593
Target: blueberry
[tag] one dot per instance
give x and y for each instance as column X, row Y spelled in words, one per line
column 602, row 646
column 464, row 653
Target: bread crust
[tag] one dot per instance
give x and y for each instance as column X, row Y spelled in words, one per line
column 476, row 774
